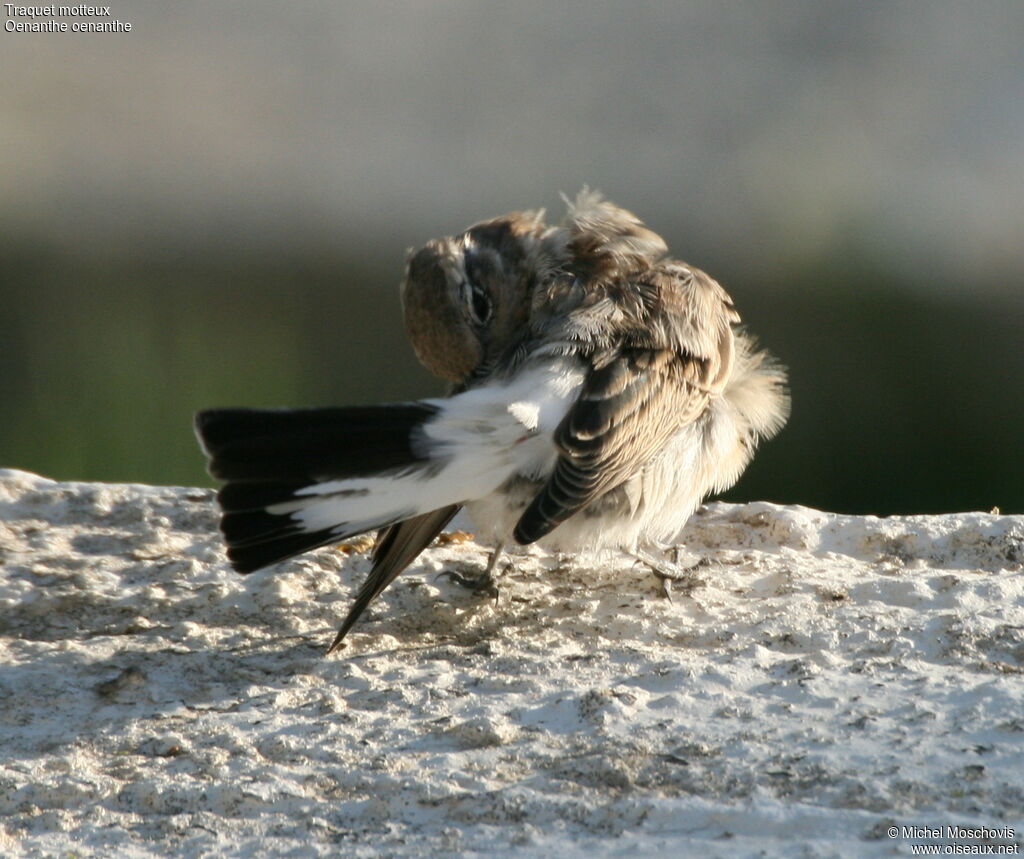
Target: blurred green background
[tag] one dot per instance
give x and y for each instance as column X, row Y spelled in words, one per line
column 214, row 210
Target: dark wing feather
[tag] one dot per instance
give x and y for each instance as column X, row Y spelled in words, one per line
column 663, row 345
column 397, row 546
column 626, row 412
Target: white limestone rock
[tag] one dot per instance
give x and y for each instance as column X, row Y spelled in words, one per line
column 823, row 679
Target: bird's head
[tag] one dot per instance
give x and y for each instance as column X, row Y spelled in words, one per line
column 466, row 298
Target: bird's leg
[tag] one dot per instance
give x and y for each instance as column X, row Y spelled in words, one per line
column 484, row 583
column 670, row 572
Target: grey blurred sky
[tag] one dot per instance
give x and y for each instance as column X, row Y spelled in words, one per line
column 758, row 132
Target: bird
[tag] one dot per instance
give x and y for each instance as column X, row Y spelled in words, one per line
column 599, row 390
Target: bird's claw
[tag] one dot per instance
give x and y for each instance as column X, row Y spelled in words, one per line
column 669, row 573
column 482, row 584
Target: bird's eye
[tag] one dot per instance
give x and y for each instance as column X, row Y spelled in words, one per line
column 477, row 303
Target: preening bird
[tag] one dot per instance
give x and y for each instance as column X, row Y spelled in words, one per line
column 600, row 390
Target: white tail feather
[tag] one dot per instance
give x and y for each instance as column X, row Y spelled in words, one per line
column 476, row 442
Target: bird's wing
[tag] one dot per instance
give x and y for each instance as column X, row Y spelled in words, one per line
column 639, row 393
column 397, row 546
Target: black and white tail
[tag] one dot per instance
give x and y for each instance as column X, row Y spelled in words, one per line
column 299, row 479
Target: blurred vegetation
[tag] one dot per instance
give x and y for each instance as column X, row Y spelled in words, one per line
column 905, row 399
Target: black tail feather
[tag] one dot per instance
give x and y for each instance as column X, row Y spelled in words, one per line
column 252, row 495
column 267, row 456
column 309, row 445
column 253, row 527
column 247, row 558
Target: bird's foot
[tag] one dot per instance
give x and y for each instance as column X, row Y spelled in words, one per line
column 481, row 584
column 672, row 575
column 484, row 583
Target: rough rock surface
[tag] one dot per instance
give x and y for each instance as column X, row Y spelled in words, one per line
column 823, row 679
